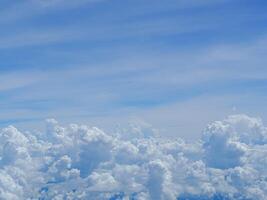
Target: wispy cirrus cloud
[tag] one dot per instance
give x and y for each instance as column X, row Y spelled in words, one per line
column 20, row 10
column 138, row 86
column 105, row 26
column 110, row 61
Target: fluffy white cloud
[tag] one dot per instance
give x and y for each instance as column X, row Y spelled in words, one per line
column 78, row 162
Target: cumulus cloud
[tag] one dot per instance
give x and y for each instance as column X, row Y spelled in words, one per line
column 79, row 162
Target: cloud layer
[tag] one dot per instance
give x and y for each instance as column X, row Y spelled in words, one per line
column 78, row 162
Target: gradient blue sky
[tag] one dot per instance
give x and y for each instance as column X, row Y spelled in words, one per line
column 175, row 64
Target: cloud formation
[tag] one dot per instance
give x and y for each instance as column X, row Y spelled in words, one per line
column 78, row 162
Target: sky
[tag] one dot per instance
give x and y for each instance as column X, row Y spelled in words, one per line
column 133, row 99
column 174, row 64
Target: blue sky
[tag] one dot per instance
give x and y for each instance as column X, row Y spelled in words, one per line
column 175, row 64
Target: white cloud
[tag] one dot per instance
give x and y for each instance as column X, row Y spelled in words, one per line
column 78, row 162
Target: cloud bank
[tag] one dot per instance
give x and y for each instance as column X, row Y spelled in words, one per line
column 78, row 162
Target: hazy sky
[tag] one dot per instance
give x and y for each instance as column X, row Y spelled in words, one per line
column 175, row 64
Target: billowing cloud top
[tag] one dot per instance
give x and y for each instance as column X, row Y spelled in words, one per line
column 77, row 162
